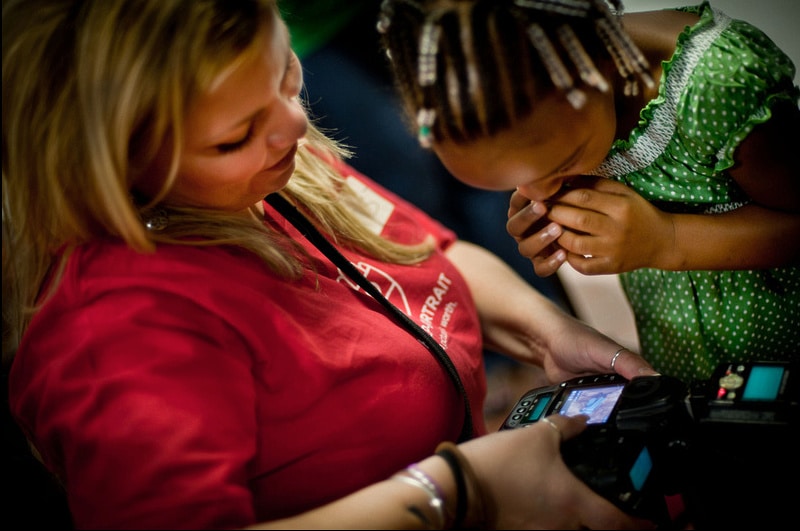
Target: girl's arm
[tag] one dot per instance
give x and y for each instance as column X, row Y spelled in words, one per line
column 605, row 227
column 609, row 228
column 765, row 233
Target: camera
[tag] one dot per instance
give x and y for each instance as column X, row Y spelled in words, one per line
column 708, row 453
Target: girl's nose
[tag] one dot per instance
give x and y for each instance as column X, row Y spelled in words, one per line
column 540, row 191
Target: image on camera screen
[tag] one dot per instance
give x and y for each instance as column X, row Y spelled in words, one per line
column 595, row 402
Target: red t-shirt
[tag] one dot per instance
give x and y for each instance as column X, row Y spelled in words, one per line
column 193, row 388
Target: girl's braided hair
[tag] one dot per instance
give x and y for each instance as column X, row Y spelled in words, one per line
column 468, row 68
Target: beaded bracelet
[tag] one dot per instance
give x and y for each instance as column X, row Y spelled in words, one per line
column 421, row 480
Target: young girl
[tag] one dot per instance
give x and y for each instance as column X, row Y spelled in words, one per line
column 182, row 357
column 660, row 145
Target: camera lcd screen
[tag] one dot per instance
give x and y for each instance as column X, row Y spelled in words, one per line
column 538, row 408
column 764, row 383
column 596, row 402
column 641, row 468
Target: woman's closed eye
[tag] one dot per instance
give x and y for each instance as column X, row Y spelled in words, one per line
column 229, row 147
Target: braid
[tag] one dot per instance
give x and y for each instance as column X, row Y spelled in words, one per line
column 468, row 68
column 629, row 59
column 503, row 102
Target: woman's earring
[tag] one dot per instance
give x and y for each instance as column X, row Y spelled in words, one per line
column 156, row 220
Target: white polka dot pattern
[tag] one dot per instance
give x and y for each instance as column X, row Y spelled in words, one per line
column 723, row 80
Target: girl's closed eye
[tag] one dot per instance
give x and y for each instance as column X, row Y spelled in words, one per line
column 565, row 168
column 572, row 161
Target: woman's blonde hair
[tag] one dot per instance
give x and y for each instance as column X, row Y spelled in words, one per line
column 91, row 91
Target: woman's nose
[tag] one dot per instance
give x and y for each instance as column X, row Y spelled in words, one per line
column 290, row 125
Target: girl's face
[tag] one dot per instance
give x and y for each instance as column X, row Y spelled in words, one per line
column 241, row 137
column 541, row 152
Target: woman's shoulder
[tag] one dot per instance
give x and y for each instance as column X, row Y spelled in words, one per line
column 109, row 269
column 391, row 214
column 109, row 294
column 111, row 257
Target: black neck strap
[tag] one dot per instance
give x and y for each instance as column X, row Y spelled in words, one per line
column 310, row 232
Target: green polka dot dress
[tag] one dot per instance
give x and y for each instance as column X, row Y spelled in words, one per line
column 722, row 81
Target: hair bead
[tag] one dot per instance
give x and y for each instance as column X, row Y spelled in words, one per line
column 425, row 119
column 385, row 17
column 552, row 62
column 428, row 49
column 470, row 67
column 586, row 68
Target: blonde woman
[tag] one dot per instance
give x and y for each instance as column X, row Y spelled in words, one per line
column 181, row 356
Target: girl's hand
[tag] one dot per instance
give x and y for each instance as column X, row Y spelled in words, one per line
column 605, row 227
column 609, row 228
column 536, row 235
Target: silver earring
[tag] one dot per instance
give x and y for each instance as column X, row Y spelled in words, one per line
column 156, row 220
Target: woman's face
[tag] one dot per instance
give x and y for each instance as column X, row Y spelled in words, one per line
column 241, row 137
column 541, row 152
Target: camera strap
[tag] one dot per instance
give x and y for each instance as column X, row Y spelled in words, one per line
column 310, row 232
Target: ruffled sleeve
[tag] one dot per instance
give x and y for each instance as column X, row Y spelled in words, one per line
column 739, row 81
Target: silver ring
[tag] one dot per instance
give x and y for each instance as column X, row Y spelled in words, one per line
column 553, row 425
column 616, row 355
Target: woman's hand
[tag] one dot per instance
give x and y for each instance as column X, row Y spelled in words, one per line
column 525, row 484
column 522, row 323
column 574, row 349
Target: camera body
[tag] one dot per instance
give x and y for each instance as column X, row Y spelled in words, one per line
column 659, row 448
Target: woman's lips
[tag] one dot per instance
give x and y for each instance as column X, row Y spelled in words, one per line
column 285, row 161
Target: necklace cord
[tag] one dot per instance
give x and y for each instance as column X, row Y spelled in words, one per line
column 310, row 232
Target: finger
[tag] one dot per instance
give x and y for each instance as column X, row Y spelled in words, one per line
column 580, row 243
column 590, row 265
column 578, row 197
column 629, row 365
column 551, row 424
column 517, row 201
column 582, row 219
column 607, row 186
column 526, row 220
column 567, row 427
column 599, row 184
column 540, row 243
column 544, row 266
column 600, row 199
